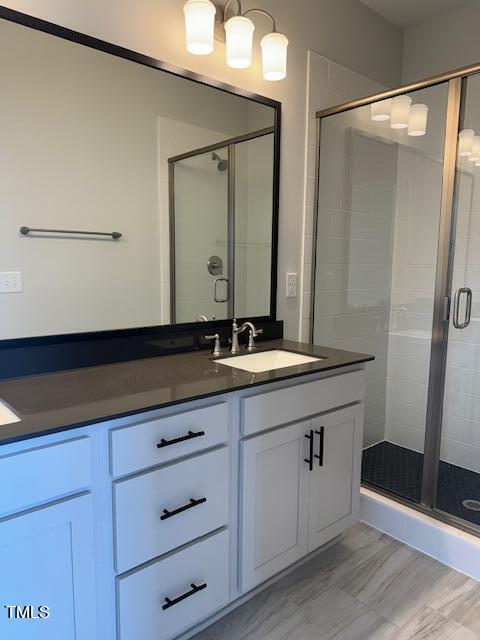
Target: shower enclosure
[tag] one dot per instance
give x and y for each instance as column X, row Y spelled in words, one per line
column 397, row 275
column 221, row 201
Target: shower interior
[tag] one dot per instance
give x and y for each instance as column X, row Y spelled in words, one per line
column 397, row 243
column 221, row 203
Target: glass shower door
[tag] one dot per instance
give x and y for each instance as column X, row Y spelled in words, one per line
column 378, row 222
column 200, row 238
column 458, row 484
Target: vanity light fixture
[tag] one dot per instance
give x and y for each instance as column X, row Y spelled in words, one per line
column 199, row 26
column 238, row 33
column 417, row 121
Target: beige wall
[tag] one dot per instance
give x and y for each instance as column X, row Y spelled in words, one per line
column 446, row 42
column 343, row 30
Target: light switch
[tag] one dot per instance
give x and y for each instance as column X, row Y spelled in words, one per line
column 291, row 285
column 11, row 282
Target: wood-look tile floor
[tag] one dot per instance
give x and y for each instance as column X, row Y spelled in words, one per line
column 365, row 587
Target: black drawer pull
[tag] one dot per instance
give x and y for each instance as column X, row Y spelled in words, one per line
column 193, row 503
column 321, row 446
column 195, row 589
column 309, row 460
column 189, row 436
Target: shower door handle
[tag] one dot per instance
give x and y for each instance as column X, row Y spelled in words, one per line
column 215, row 284
column 456, row 308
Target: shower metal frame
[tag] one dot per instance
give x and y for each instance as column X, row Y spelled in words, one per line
column 229, row 145
column 456, row 80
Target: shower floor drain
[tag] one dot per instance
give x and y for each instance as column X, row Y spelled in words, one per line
column 473, row 505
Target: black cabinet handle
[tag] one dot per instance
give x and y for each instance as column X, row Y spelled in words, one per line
column 192, row 503
column 195, row 589
column 321, row 446
column 189, row 436
column 309, row 460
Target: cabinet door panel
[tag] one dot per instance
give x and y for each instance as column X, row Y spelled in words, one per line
column 46, row 558
column 335, row 484
column 274, row 502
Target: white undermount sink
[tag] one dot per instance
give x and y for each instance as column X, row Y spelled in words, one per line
column 267, row 360
column 7, row 416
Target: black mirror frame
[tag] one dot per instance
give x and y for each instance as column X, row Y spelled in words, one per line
column 121, row 52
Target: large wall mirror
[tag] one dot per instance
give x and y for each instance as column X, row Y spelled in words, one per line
column 131, row 196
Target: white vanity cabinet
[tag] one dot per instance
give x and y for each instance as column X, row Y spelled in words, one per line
column 147, row 527
column 47, row 552
column 275, row 488
column 334, row 498
column 300, row 485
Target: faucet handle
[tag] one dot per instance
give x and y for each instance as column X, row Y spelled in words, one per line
column 217, row 349
column 252, row 334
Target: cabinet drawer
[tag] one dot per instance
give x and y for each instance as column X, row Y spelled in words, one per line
column 278, row 407
column 135, row 448
column 142, row 595
column 142, row 534
column 42, row 474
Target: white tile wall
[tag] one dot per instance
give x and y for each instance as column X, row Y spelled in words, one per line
column 449, row 545
column 353, row 279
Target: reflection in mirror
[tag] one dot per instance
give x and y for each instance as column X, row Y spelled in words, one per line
column 92, row 142
column 221, row 229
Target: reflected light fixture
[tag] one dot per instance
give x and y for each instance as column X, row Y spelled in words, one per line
column 201, row 16
column 400, row 113
column 380, row 111
column 417, row 121
column 475, row 155
column 465, row 142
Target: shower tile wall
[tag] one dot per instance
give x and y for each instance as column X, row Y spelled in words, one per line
column 330, row 84
column 354, row 249
column 417, row 211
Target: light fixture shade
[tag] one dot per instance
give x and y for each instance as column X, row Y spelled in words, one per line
column 380, row 111
column 239, row 33
column 274, row 55
column 199, row 26
column 475, row 156
column 465, row 142
column 400, row 113
column 417, row 121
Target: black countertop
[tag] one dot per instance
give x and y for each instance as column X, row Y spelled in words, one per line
column 78, row 397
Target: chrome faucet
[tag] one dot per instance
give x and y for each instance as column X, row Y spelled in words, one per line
column 236, row 330
column 217, row 349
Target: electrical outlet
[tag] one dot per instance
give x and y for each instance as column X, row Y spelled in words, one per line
column 11, row 282
column 291, row 285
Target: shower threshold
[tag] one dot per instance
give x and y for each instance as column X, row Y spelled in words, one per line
column 398, row 470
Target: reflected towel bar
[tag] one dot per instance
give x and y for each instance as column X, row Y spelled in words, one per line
column 115, row 235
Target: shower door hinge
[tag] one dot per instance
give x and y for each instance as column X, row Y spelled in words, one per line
column 446, row 309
